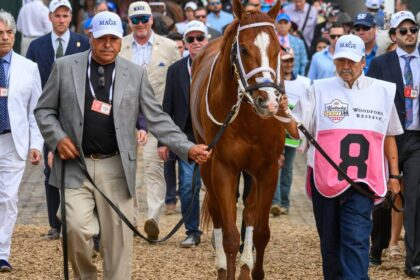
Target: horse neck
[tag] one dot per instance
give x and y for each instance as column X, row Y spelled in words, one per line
column 229, row 86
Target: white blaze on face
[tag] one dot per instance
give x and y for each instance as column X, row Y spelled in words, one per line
column 262, row 41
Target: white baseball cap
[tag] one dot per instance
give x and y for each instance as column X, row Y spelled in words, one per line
column 55, row 4
column 399, row 17
column 351, row 47
column 287, row 54
column 106, row 23
column 191, row 5
column 373, row 4
column 139, row 8
column 195, row 25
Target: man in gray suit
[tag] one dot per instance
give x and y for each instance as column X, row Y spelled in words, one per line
column 88, row 110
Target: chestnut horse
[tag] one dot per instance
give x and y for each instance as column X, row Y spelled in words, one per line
column 242, row 66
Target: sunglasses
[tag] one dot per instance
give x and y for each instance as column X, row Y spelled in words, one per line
column 138, row 19
column 101, row 79
column 214, row 3
column 190, row 39
column 404, row 31
column 362, row 27
column 200, row 16
column 334, row 36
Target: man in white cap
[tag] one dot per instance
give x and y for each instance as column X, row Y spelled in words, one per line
column 354, row 119
column 44, row 51
column 176, row 104
column 154, row 53
column 402, row 67
column 87, row 115
column 189, row 10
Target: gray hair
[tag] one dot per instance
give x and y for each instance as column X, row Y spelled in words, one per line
column 8, row 20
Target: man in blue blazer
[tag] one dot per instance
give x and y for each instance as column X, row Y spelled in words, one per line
column 402, row 67
column 44, row 51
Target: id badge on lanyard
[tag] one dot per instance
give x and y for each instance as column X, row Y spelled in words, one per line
column 97, row 105
column 411, row 92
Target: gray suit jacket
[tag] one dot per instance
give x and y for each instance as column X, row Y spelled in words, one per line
column 60, row 110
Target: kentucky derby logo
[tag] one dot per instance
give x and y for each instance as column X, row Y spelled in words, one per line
column 336, row 110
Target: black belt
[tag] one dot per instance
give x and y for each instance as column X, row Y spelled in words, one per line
column 6, row 131
column 101, row 156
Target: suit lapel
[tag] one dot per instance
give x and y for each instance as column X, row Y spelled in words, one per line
column 73, row 46
column 185, row 77
column 49, row 51
column 121, row 80
column 79, row 78
column 395, row 69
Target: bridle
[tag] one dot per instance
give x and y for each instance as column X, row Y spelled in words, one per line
column 242, row 77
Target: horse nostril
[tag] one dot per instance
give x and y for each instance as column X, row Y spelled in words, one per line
column 260, row 102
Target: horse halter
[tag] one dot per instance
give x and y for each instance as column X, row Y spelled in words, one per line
column 243, row 77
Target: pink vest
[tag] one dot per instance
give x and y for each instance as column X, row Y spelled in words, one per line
column 351, row 126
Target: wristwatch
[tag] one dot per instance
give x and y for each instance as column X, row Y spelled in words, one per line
column 398, row 177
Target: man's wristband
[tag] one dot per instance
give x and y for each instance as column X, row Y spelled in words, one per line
column 398, row 177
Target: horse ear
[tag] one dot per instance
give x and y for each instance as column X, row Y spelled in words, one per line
column 274, row 11
column 237, row 9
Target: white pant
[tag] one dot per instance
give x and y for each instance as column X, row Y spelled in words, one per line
column 11, row 173
column 24, row 44
column 154, row 179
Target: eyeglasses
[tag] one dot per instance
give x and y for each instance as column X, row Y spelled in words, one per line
column 190, row 39
column 413, row 30
column 138, row 19
column 362, row 27
column 335, row 36
column 101, row 79
column 200, row 16
column 214, row 3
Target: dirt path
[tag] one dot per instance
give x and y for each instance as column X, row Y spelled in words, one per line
column 293, row 251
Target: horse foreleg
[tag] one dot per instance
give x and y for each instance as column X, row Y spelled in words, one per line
column 266, row 188
column 225, row 181
column 220, row 261
column 246, row 261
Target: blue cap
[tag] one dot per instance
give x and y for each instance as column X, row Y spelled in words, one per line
column 283, row 16
column 365, row 19
column 265, row 7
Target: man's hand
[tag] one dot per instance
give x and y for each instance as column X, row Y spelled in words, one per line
column 394, row 185
column 34, row 156
column 50, row 159
column 66, row 149
column 163, row 153
column 141, row 137
column 199, row 153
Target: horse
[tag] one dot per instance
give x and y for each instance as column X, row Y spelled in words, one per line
column 243, row 65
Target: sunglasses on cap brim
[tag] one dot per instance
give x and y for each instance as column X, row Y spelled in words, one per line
column 137, row 19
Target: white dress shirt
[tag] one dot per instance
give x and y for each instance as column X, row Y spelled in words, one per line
column 33, row 19
column 298, row 16
column 143, row 53
column 65, row 38
column 415, row 69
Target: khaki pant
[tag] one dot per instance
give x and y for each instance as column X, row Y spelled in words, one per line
column 154, row 179
column 89, row 214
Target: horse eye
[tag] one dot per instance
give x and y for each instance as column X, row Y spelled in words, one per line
column 243, row 50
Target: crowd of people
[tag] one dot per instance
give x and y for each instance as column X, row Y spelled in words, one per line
column 119, row 78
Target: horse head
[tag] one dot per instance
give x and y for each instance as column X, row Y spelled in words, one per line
column 256, row 60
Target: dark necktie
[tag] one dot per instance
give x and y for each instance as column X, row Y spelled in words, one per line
column 60, row 51
column 408, row 77
column 4, row 114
